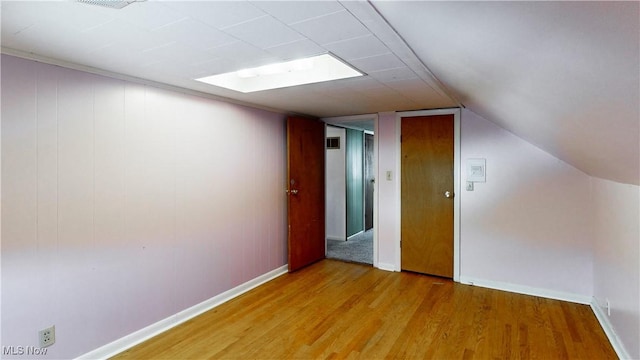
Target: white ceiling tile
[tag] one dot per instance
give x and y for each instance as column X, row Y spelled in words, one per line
column 420, row 92
column 149, row 15
column 367, row 85
column 168, row 66
column 17, row 16
column 264, row 32
column 195, row 33
column 296, row 50
column 76, row 15
column 106, row 58
column 178, row 53
column 331, row 28
column 243, row 54
column 210, row 67
column 60, row 20
column 377, row 63
column 31, row 39
column 290, row 12
column 219, row 14
column 155, row 54
column 410, row 85
column 381, row 92
column 401, row 73
column 359, row 47
column 122, row 35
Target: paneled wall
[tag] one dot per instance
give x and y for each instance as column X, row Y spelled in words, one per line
column 123, row 204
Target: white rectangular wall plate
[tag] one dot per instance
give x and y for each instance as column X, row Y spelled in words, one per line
column 476, row 170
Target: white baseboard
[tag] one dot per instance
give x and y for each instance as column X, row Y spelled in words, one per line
column 527, row 290
column 356, row 234
column 336, row 238
column 124, row 343
column 603, row 319
column 386, row 267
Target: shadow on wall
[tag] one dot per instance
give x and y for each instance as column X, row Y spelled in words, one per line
column 530, row 222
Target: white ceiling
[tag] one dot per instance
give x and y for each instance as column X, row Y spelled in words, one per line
column 563, row 75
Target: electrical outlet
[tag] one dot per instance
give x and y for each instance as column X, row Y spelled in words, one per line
column 608, row 308
column 47, row 336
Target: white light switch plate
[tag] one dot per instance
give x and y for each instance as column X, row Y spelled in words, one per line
column 469, row 185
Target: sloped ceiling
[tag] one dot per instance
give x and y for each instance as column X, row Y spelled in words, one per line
column 563, row 75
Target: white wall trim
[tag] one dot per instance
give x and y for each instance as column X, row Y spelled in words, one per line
column 376, row 192
column 341, row 119
column 603, row 319
column 386, row 267
column 527, row 290
column 356, row 234
column 398, row 197
column 152, row 330
column 456, row 181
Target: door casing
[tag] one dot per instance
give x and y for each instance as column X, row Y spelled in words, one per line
column 369, row 180
column 456, row 182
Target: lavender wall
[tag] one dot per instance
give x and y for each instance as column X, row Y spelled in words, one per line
column 388, row 222
column 617, row 258
column 537, row 225
column 530, row 224
column 123, row 204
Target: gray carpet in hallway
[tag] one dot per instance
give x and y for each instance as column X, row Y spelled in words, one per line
column 357, row 249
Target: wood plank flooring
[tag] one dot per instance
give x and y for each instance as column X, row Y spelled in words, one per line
column 336, row 310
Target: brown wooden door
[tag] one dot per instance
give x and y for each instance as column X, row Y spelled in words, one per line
column 306, row 202
column 368, row 181
column 427, row 213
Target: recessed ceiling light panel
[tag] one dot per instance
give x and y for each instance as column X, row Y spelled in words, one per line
column 291, row 73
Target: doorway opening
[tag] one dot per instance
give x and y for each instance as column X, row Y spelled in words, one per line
column 350, row 184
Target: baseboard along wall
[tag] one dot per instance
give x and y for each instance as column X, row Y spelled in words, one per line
column 126, row 342
column 557, row 295
column 386, row 267
column 603, row 319
column 133, row 339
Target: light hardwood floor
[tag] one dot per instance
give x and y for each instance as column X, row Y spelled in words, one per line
column 340, row 310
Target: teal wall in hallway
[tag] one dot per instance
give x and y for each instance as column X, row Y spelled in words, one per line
column 355, row 181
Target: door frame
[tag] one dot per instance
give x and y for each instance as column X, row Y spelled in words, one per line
column 456, row 182
column 342, row 121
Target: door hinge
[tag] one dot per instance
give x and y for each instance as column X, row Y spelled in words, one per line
column 400, row 244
